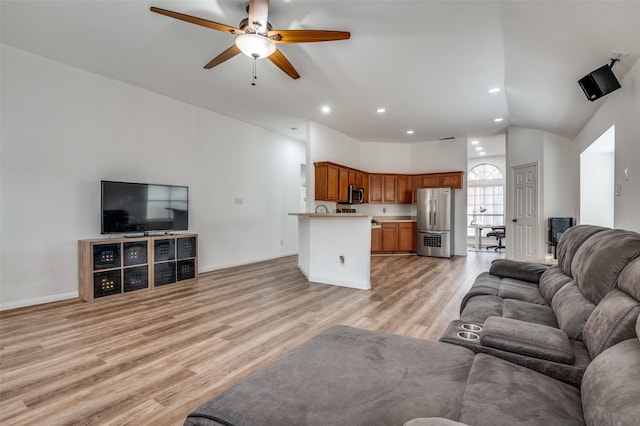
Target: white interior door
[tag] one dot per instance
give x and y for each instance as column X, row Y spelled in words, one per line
column 525, row 213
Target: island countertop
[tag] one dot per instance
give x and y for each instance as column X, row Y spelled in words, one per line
column 341, row 215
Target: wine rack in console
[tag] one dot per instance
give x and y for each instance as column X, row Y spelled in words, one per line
column 119, row 265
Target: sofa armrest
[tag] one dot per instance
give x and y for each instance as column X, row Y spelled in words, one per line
column 529, row 339
column 524, row 271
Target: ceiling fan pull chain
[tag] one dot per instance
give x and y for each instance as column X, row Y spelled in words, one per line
column 255, row 77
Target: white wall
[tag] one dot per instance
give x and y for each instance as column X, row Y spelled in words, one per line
column 622, row 109
column 64, row 130
column 597, row 189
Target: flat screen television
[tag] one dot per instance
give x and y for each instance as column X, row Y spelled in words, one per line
column 141, row 207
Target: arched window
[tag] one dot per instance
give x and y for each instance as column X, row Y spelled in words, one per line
column 485, row 195
column 485, row 171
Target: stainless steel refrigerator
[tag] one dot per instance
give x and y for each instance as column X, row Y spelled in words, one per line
column 435, row 222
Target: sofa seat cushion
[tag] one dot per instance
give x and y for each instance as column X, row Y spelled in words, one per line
column 348, row 376
column 479, row 308
column 497, row 391
column 487, row 284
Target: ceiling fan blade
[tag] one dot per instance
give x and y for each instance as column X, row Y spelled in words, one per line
column 198, row 21
column 258, row 14
column 306, row 36
column 283, row 63
column 226, row 55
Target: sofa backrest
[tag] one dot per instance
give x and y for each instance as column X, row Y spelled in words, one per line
column 611, row 384
column 552, row 280
column 601, row 258
column 614, row 319
column 571, row 241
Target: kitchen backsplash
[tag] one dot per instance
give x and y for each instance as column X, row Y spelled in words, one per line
column 371, row 209
column 383, row 209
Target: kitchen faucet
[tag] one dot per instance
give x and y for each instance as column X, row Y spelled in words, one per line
column 326, row 210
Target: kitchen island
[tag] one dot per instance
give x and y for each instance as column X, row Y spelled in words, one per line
column 335, row 248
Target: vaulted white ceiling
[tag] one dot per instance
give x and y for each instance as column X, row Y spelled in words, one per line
column 429, row 63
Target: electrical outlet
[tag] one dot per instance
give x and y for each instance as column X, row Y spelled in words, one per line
column 342, row 260
column 238, row 200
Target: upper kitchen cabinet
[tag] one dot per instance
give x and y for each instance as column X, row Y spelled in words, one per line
column 451, row 180
column 376, row 185
column 389, row 189
column 404, row 189
column 332, row 184
column 332, row 181
column 327, row 177
column 343, row 184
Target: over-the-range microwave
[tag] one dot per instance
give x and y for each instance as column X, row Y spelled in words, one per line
column 356, row 195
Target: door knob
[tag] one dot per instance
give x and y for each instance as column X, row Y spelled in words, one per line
column 514, row 220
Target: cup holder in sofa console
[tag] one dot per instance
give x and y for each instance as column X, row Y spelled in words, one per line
column 471, row 327
column 468, row 335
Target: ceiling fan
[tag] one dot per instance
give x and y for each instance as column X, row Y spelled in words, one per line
column 256, row 38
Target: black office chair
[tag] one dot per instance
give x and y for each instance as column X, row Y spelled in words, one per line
column 499, row 233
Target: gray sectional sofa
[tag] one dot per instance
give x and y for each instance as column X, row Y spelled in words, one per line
column 528, row 349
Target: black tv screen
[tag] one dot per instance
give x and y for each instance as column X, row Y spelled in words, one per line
column 141, row 207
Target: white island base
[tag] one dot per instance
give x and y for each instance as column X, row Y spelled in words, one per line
column 335, row 248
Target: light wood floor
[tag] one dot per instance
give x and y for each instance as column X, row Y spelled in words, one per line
column 152, row 357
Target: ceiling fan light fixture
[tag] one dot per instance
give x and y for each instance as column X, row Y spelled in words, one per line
column 255, row 45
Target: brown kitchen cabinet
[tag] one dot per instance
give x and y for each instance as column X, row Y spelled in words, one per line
column 389, row 189
column 375, row 188
column 343, row 185
column 407, row 236
column 327, row 177
column 376, row 240
column 395, row 237
column 389, row 236
column 404, row 189
column 332, row 183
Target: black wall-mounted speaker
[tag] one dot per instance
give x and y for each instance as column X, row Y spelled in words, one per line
column 598, row 83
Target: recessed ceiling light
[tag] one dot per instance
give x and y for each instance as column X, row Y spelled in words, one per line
column 326, row 109
column 481, row 153
column 475, row 142
column 494, row 90
column 478, row 148
column 410, row 132
column 497, row 120
column 381, row 110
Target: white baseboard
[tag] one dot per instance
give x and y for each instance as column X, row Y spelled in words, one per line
column 205, row 269
column 38, row 300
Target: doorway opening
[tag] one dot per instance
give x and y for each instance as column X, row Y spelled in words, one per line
column 597, row 181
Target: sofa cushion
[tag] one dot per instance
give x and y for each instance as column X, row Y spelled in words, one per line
column 347, row 376
column 432, row 421
column 600, row 260
column 502, row 393
column 572, row 310
column 629, row 279
column 522, row 271
column 529, row 312
column 525, row 338
column 552, row 280
column 571, row 241
column 612, row 321
column 611, row 385
column 479, row 308
column 506, row 288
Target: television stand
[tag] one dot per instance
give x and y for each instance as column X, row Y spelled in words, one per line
column 115, row 266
